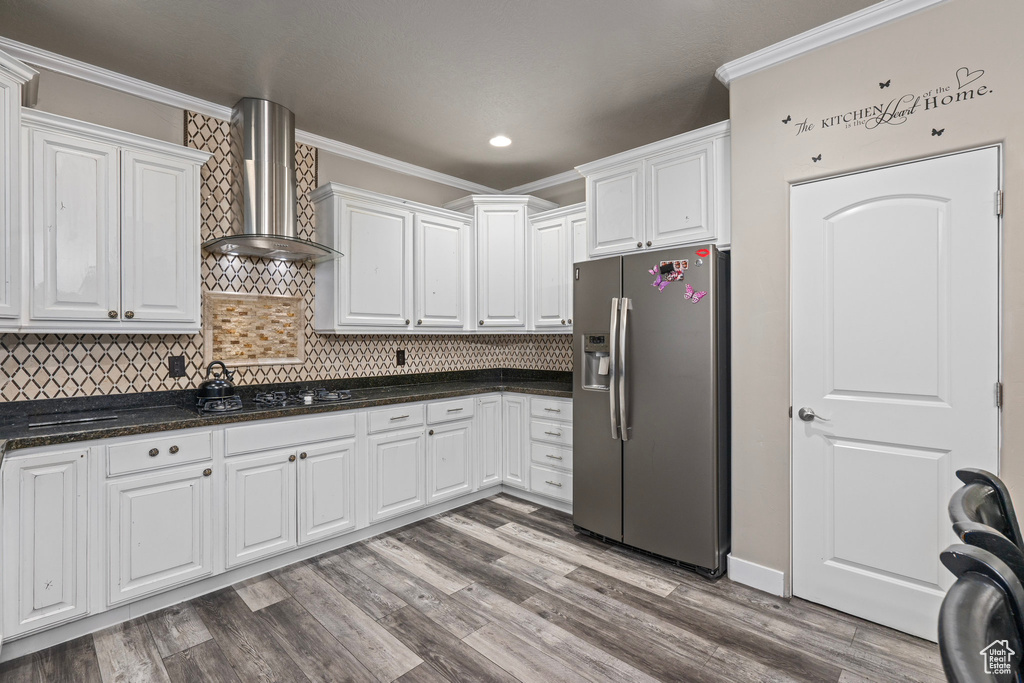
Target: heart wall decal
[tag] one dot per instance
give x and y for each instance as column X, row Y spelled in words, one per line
column 965, row 76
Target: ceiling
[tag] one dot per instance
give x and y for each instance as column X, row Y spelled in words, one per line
column 431, row 81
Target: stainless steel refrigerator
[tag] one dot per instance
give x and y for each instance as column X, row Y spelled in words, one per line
column 651, row 403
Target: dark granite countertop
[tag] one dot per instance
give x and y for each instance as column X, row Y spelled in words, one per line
column 143, row 413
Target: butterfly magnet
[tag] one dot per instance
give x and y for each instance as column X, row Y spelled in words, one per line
column 693, row 296
column 667, row 272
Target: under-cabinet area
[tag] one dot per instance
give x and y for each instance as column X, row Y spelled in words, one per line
column 93, row 526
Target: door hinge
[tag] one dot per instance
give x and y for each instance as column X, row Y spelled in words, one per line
column 999, row 202
column 999, row 395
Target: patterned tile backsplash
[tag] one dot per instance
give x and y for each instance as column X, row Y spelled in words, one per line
column 68, row 365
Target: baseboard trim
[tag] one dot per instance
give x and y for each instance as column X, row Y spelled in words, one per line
column 757, row 576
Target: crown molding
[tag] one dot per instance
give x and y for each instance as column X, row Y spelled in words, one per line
column 23, row 73
column 544, row 183
column 467, row 204
column 156, row 93
column 866, row 19
column 705, row 134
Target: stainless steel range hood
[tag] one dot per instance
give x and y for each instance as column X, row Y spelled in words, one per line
column 263, row 136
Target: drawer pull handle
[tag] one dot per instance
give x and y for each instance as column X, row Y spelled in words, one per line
column 553, row 483
column 454, row 410
column 291, row 458
column 399, row 417
column 554, row 457
column 553, row 433
column 173, row 449
column 153, row 452
column 302, row 456
column 207, row 472
column 553, row 410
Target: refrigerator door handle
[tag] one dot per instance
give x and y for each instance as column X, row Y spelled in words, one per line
column 624, row 305
column 613, row 367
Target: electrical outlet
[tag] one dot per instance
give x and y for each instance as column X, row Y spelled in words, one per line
column 176, row 366
column 400, row 357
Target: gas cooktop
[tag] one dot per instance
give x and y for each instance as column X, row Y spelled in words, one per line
column 267, row 400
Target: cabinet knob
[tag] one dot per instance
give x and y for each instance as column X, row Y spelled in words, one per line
column 431, row 432
column 563, row 321
column 153, row 452
column 639, row 245
column 481, row 322
column 207, row 472
column 302, row 456
column 406, row 321
column 570, row 321
column 173, row 449
column 419, row 322
column 291, row 458
column 649, row 243
column 129, row 314
column 111, row 314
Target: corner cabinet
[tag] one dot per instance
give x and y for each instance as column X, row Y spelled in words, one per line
column 405, row 265
column 113, row 229
column 668, row 193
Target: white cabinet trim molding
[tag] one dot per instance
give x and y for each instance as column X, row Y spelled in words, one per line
column 866, row 19
column 654, row 148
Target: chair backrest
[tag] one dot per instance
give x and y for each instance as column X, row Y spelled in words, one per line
column 978, row 502
column 1001, row 500
column 982, row 616
column 986, row 537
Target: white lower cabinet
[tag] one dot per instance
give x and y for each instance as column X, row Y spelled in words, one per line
column 261, row 506
column 326, row 490
column 45, row 563
column 551, row 447
column 397, row 483
column 159, row 531
column 449, row 460
column 515, row 421
column 489, row 441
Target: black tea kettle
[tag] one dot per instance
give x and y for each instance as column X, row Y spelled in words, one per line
column 216, row 385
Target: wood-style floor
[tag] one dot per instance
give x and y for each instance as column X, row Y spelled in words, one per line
column 499, row 590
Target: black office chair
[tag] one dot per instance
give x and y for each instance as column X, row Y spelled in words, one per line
column 985, row 499
column 982, row 616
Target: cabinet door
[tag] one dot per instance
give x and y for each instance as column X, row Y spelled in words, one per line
column 677, row 197
column 515, row 422
column 10, row 220
column 326, row 490
column 549, row 273
column 396, row 473
column 449, row 464
column 578, row 232
column 159, row 531
column 73, row 190
column 441, row 270
column 615, row 210
column 159, row 238
column 260, row 505
column 501, row 265
column 375, row 287
column 45, row 535
column 489, row 441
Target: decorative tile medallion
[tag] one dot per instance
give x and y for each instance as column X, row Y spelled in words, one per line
column 65, row 365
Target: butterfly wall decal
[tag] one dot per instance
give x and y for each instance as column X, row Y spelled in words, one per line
column 885, row 85
column 788, row 118
column 816, row 159
column 940, row 131
column 693, row 296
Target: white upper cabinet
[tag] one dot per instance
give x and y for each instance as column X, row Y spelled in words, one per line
column 550, row 266
column 442, row 255
column 13, row 74
column 114, row 222
column 405, row 265
column 664, row 194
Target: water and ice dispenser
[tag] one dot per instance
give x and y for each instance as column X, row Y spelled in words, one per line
column 597, row 373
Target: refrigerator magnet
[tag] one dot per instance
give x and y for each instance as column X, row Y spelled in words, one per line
column 703, row 253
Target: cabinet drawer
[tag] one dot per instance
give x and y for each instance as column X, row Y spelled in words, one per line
column 551, row 483
column 151, row 454
column 551, row 432
column 551, row 456
column 446, row 411
column 551, row 409
column 261, row 436
column 395, row 418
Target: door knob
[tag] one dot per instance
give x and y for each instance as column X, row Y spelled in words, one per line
column 808, row 415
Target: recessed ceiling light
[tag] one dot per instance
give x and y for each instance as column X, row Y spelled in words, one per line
column 500, row 141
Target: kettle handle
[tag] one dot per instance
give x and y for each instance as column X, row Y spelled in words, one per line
column 227, row 373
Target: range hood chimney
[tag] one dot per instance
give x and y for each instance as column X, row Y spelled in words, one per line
column 263, row 134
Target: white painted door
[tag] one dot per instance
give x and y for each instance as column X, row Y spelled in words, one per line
column 73, row 197
column 489, row 440
column 515, row 445
column 376, row 281
column 260, row 505
column 397, row 481
column 895, row 324
column 326, row 490
column 549, row 273
column 677, row 197
column 501, row 265
column 449, row 460
column 159, row 531
column 46, row 528
column 159, row 238
column 615, row 210
column 442, row 268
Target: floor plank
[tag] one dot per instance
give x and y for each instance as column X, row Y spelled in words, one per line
column 202, row 663
column 424, row 673
column 505, row 544
column 418, row 564
column 365, row 592
column 74, row 660
column 259, row 593
column 127, row 652
column 514, row 504
column 518, row 657
column 177, row 628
